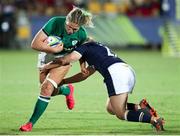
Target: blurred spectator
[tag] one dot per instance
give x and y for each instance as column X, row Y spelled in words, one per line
column 7, row 24
column 23, row 36
column 131, row 7
column 169, row 8
column 68, row 4
column 110, row 8
column 94, row 6
column 144, row 8
column 122, row 5
column 63, row 7
column 148, row 8
column 81, row 3
column 50, row 3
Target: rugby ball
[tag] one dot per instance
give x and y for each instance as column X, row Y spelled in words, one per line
column 54, row 41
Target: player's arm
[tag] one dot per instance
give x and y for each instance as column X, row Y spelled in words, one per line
column 72, row 57
column 39, row 43
column 79, row 76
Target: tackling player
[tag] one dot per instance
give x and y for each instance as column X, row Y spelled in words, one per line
column 119, row 78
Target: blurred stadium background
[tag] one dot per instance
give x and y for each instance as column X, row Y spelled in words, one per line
column 120, row 23
column 144, row 30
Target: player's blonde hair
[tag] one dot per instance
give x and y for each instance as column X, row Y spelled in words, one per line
column 80, row 17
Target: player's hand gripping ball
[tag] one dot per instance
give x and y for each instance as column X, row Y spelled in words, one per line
column 53, row 41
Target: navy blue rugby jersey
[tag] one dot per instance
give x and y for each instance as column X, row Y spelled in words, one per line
column 98, row 55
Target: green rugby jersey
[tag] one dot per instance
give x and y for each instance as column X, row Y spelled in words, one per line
column 56, row 26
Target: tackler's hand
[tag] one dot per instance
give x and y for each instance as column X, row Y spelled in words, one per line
column 84, row 71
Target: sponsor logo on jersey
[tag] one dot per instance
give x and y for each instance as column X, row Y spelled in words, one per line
column 74, row 42
column 69, row 48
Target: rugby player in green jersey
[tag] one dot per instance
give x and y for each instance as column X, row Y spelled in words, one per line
column 70, row 29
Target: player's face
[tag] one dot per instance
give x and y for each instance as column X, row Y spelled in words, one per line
column 71, row 27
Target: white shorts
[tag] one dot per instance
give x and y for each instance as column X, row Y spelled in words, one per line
column 122, row 79
column 44, row 58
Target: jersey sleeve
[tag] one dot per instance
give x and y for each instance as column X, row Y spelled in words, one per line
column 83, row 36
column 49, row 26
column 81, row 49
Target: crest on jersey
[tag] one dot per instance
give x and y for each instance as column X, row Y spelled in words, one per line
column 74, row 42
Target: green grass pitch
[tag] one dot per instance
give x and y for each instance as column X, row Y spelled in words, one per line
column 158, row 80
